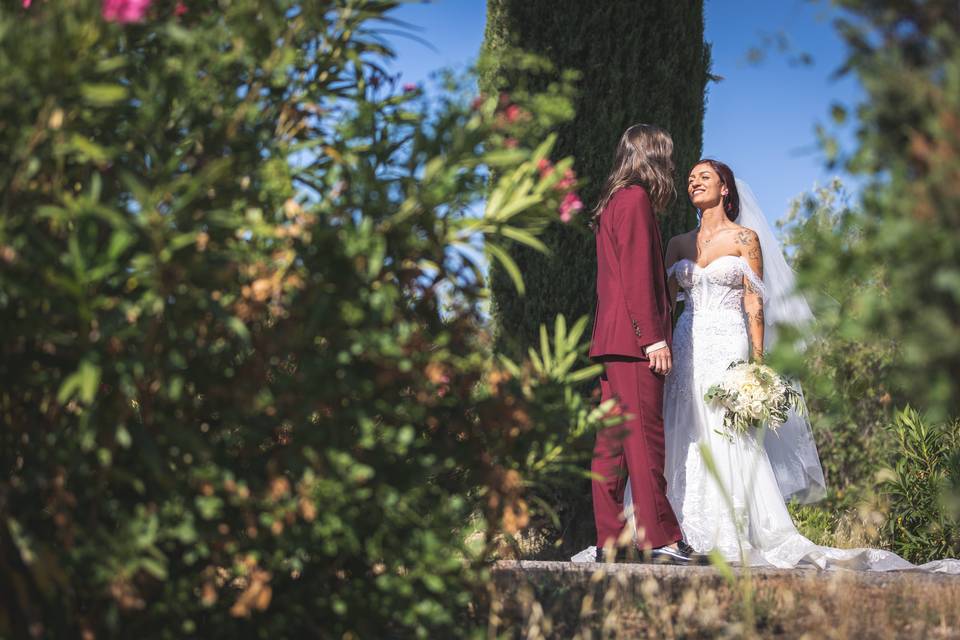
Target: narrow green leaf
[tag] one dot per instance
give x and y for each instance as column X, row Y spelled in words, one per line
column 535, row 359
column 510, row 365
column 516, row 206
column 103, row 95
column 542, row 151
column 559, row 335
column 239, row 329
column 508, row 265
column 524, row 237
column 586, row 373
column 564, row 364
column 155, row 568
column 84, row 381
column 545, row 348
column 722, row 566
column 576, row 332
column 89, row 381
column 87, row 149
column 503, row 157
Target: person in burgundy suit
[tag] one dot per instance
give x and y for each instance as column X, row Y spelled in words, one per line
column 631, row 337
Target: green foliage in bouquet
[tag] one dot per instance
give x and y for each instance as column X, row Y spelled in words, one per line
column 244, row 385
column 923, row 525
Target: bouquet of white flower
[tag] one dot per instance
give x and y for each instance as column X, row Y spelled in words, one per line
column 754, row 395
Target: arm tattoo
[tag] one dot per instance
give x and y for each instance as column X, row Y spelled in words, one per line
column 756, row 337
column 749, row 239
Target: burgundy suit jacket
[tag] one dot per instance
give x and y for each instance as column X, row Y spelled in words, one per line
column 633, row 302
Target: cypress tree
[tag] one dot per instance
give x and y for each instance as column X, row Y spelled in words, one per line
column 640, row 61
column 637, row 61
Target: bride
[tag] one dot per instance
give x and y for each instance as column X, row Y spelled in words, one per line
column 729, row 490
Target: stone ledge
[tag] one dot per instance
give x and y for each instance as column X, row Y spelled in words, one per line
column 641, row 570
column 565, row 599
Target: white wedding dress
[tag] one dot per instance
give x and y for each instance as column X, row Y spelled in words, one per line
column 738, row 507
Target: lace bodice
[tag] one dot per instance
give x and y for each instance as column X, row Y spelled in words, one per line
column 712, row 331
column 719, row 285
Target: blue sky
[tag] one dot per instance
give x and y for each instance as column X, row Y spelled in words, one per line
column 760, row 118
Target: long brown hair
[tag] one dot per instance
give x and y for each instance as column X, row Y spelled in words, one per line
column 731, row 201
column 644, row 157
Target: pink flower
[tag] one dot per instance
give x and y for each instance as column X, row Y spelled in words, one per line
column 180, row 9
column 409, row 87
column 570, row 205
column 545, row 167
column 512, row 113
column 568, row 182
column 26, row 4
column 124, row 11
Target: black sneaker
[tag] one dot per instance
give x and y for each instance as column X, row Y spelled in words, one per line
column 619, row 555
column 699, row 558
column 682, row 555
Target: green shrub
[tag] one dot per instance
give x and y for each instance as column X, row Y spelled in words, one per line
column 844, row 368
column 243, row 372
column 907, row 158
column 816, row 523
column 921, row 525
column 882, row 273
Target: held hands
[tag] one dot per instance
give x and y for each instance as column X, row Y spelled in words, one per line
column 660, row 360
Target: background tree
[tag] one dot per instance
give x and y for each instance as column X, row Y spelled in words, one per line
column 907, row 58
column 635, row 62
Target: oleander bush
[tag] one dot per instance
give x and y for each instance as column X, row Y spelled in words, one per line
column 245, row 384
column 922, row 470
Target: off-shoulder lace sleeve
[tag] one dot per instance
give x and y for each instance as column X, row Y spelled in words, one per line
column 754, row 280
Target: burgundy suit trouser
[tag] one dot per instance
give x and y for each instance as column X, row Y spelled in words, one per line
column 634, row 448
